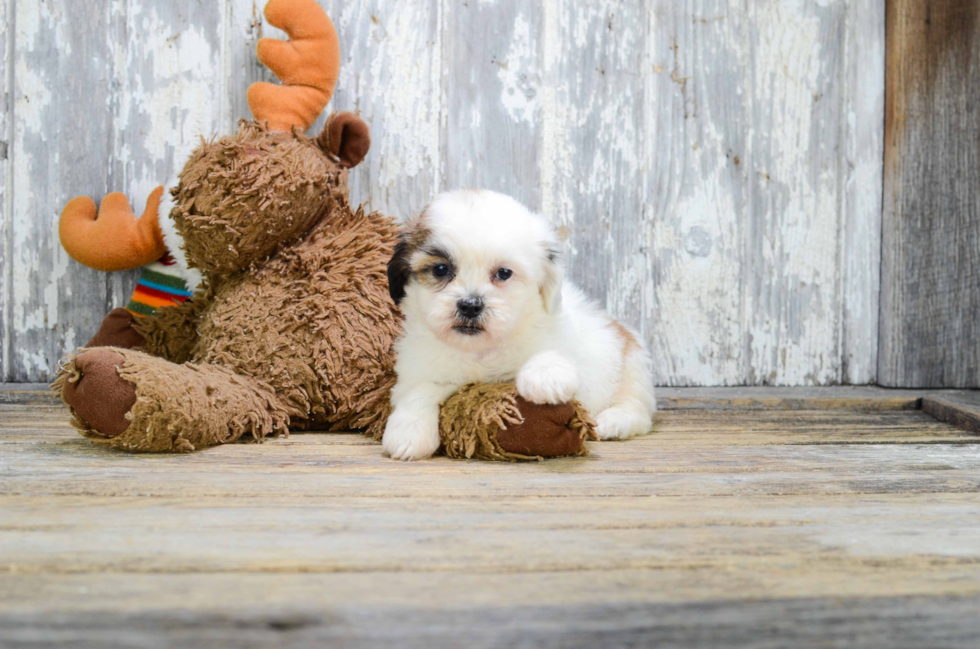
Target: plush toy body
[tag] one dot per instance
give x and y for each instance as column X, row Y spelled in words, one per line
column 304, row 340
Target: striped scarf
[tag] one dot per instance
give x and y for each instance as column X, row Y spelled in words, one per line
column 160, row 285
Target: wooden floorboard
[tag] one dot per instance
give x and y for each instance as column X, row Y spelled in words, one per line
column 845, row 527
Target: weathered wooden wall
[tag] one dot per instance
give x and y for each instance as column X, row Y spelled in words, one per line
column 930, row 292
column 714, row 166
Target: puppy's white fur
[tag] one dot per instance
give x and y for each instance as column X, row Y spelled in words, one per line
column 535, row 329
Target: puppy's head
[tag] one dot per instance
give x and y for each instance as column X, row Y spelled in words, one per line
column 476, row 267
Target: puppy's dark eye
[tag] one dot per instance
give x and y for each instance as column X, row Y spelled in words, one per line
column 504, row 274
column 440, row 270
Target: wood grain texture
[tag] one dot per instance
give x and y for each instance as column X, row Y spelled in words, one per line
column 930, row 291
column 739, row 398
column 961, row 410
column 392, row 75
column 122, row 121
column 493, row 57
column 595, row 131
column 748, row 181
column 737, row 528
column 713, row 168
column 6, row 178
column 61, row 146
column 911, row 622
column 864, row 105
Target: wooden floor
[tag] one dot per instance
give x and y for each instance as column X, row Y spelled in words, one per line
column 726, row 528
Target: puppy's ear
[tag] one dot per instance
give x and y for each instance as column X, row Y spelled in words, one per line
column 554, row 276
column 399, row 271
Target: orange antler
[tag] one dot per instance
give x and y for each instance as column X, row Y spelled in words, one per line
column 307, row 64
column 113, row 239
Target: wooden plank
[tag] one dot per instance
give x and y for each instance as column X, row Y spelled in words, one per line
column 741, row 398
column 902, row 622
column 792, row 238
column 144, row 96
column 747, row 188
column 777, row 398
column 685, row 428
column 864, row 94
column 695, row 192
column 27, row 393
column 961, row 410
column 391, row 73
column 62, row 147
column 141, row 595
column 6, row 179
column 243, row 25
column 53, row 535
column 493, row 67
column 595, row 105
column 348, row 471
column 750, row 453
column 930, row 282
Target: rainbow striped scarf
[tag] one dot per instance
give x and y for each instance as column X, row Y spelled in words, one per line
column 160, row 285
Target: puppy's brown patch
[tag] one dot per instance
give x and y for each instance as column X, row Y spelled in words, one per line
column 629, row 340
column 425, row 261
column 413, row 236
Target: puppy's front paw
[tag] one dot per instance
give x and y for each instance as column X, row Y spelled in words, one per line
column 620, row 423
column 411, row 434
column 548, row 378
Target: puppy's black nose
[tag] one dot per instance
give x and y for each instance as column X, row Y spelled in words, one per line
column 470, row 307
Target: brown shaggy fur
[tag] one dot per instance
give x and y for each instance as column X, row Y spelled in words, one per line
column 293, row 326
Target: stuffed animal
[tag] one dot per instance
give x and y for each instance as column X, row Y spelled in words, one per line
column 292, row 325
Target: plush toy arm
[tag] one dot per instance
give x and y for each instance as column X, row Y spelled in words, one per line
column 490, row 421
column 112, row 238
column 171, row 333
column 308, row 65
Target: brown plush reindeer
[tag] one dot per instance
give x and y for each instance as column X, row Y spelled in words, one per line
column 292, row 325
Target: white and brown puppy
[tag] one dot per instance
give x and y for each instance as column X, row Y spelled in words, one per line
column 479, row 280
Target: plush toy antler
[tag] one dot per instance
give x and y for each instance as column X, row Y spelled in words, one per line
column 113, row 239
column 307, row 64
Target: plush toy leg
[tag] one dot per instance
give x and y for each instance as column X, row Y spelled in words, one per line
column 164, row 406
column 489, row 421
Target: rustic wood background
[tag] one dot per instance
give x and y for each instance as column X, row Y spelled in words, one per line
column 930, row 300
column 715, row 166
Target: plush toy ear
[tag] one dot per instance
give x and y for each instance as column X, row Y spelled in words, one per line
column 347, row 137
column 554, row 276
column 398, row 272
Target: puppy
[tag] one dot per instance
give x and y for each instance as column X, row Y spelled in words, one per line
column 479, row 281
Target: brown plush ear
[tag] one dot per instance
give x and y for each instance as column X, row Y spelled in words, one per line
column 347, row 137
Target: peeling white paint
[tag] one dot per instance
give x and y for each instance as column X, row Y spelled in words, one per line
column 519, row 80
column 164, row 115
column 391, row 72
